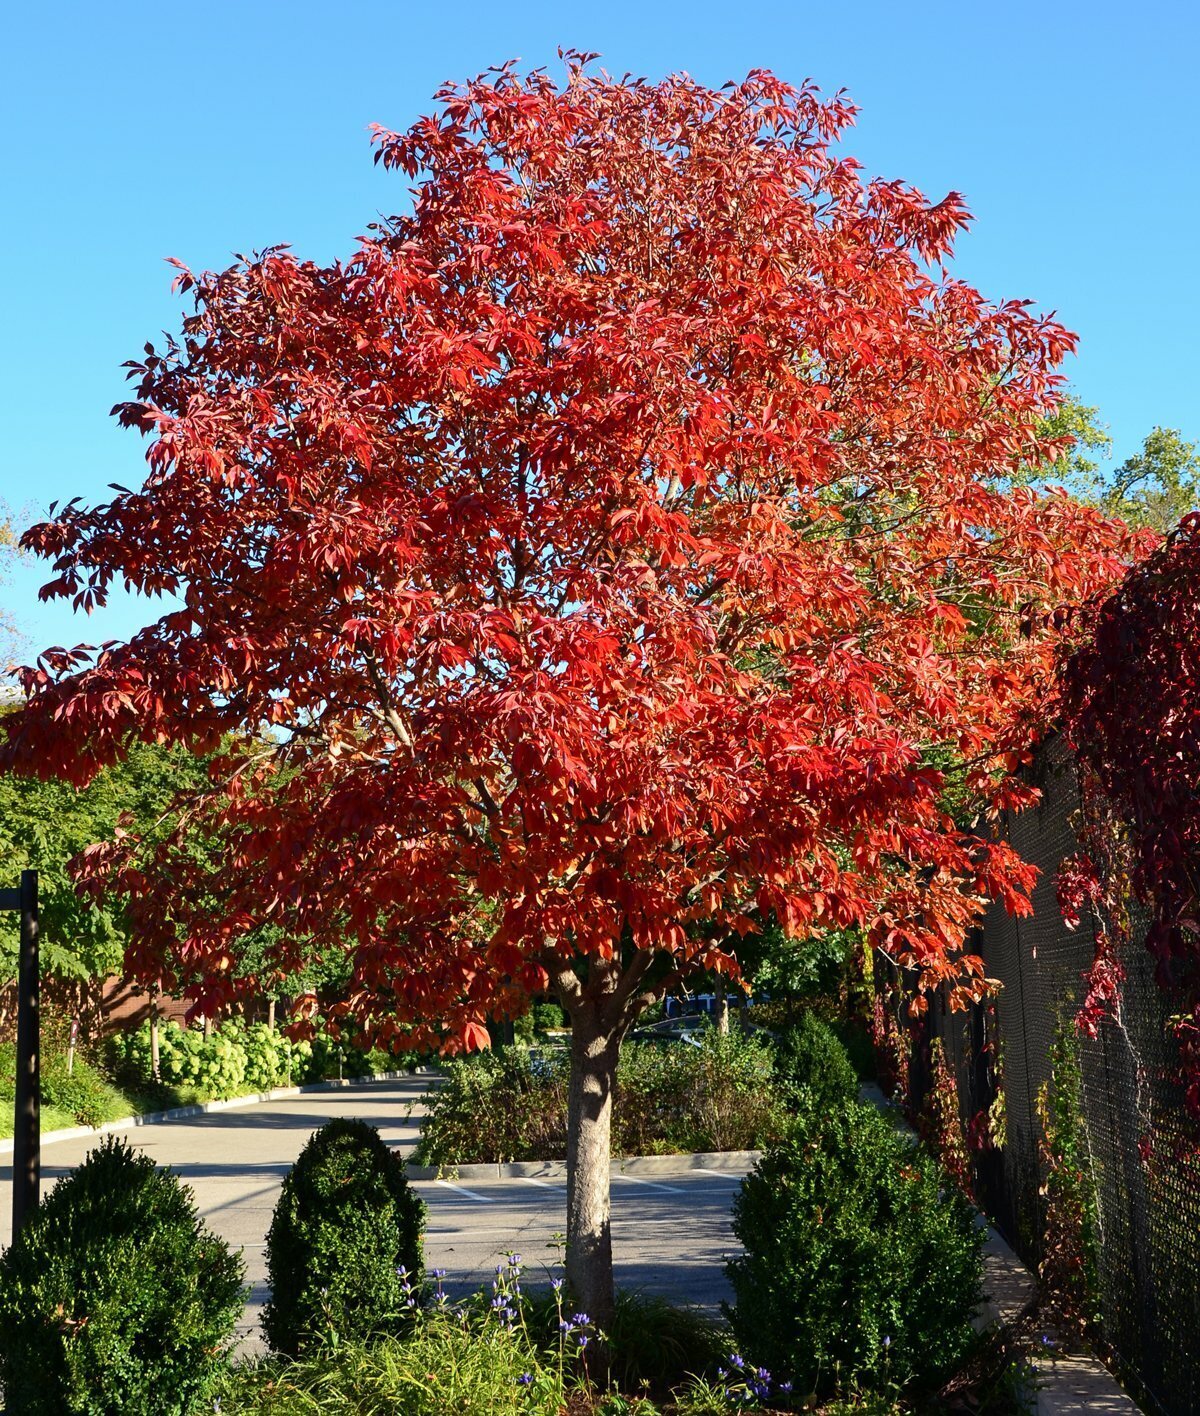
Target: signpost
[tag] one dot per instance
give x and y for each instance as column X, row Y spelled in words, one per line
column 27, row 1122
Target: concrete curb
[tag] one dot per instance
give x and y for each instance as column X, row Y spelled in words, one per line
column 1068, row 1385
column 732, row 1161
column 182, row 1113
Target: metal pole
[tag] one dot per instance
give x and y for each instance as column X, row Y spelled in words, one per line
column 27, row 1121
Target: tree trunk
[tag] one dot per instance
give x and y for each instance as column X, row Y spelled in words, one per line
column 154, row 1068
column 594, row 1053
column 271, row 1014
column 722, row 1008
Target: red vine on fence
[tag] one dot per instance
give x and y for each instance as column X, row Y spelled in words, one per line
column 1131, row 697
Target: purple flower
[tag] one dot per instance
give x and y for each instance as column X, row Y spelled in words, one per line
column 525, row 1379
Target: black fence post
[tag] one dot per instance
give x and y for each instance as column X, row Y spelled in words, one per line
column 27, row 1157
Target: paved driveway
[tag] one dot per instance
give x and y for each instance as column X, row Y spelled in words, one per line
column 670, row 1231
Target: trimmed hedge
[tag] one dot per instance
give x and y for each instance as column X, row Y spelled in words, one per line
column 115, row 1298
column 810, row 1055
column 345, row 1227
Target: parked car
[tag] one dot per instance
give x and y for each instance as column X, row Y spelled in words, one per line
column 686, row 1029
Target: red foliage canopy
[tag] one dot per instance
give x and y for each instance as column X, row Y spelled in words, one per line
column 1131, row 696
column 599, row 550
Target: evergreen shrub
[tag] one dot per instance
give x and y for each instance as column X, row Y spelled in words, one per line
column 810, row 1055
column 344, row 1247
column 548, row 1017
column 862, row 1267
column 115, row 1298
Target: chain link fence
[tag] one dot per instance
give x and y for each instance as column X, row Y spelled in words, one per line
column 1134, row 1131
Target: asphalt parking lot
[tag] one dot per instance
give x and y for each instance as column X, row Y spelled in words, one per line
column 670, row 1229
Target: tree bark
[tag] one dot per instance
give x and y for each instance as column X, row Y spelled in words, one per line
column 154, row 1067
column 594, row 1054
column 722, row 1008
column 601, row 1009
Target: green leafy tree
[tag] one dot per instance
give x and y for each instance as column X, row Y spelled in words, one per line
column 45, row 824
column 1160, row 484
column 1153, row 489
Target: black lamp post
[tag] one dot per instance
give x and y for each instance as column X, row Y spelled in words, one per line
column 27, row 1158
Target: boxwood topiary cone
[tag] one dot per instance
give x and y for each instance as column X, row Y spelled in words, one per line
column 862, row 1266
column 115, row 1298
column 344, row 1247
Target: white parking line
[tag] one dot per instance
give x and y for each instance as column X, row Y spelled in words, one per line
column 731, row 1176
column 542, row 1184
column 462, row 1190
column 650, row 1184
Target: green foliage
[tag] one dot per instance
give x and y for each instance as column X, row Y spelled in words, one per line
column 795, row 968
column 444, row 1369
column 651, row 1344
column 1077, row 471
column 548, row 1017
column 1160, row 484
column 715, row 1097
column 501, row 1105
column 512, row 1104
column 501, row 1351
column 235, row 1059
column 1153, row 488
column 523, row 1029
column 857, row 1270
column 810, row 1060
column 84, row 1091
column 1070, row 1263
column 43, row 825
column 115, row 1298
column 82, row 1097
column 345, row 1225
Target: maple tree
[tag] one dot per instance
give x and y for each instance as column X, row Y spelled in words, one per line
column 1132, row 715
column 584, row 568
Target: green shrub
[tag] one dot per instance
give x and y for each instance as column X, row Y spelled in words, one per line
column 714, row 1097
column 115, row 1298
column 84, row 1097
column 272, row 1058
column 809, row 1054
column 857, row 1270
column 500, row 1105
column 548, row 1017
column 235, row 1059
column 512, row 1104
column 84, row 1091
column 346, row 1223
column 523, row 1029
column 650, row 1344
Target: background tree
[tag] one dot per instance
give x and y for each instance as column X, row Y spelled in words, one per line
column 11, row 640
column 1153, row 489
column 1160, row 485
column 45, row 824
column 598, row 549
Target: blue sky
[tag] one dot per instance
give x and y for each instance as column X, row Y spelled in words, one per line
column 135, row 132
